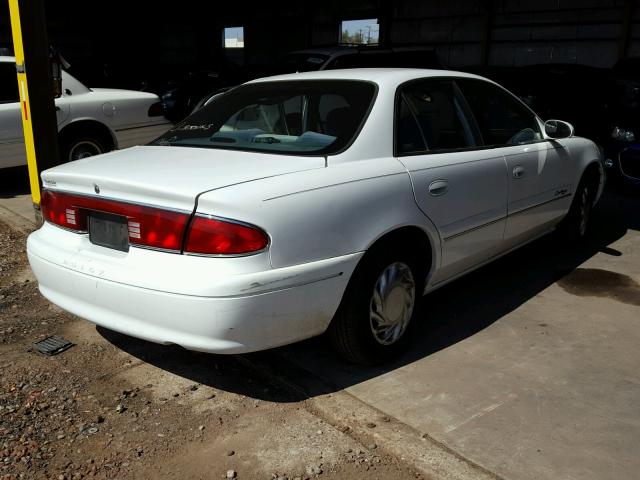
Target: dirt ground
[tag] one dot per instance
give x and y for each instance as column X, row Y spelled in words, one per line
column 116, row 407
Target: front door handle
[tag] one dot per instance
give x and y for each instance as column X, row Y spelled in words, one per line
column 438, row 187
column 518, row 172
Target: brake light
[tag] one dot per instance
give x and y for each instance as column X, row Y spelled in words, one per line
column 156, row 110
column 156, row 227
column 221, row 237
column 148, row 226
column 56, row 210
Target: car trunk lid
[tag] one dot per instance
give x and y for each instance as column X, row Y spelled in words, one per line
column 170, row 177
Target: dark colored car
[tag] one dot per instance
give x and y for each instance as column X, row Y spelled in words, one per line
column 623, row 160
column 359, row 57
column 622, row 151
column 182, row 94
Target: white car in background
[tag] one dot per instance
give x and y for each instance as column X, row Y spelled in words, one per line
column 302, row 203
column 90, row 121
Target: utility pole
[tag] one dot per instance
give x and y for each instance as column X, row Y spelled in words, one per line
column 31, row 50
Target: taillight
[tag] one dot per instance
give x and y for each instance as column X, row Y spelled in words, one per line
column 156, row 110
column 57, row 209
column 214, row 236
column 148, row 226
column 156, row 227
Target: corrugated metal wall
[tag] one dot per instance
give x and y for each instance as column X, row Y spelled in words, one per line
column 518, row 32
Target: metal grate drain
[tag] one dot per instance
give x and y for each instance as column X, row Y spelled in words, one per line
column 52, row 345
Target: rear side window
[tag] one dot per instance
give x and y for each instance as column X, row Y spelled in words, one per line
column 409, row 138
column 430, row 118
column 502, row 118
column 8, row 83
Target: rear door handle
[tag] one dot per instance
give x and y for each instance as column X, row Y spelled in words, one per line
column 518, row 172
column 438, row 187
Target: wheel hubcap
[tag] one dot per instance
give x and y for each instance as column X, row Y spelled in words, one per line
column 392, row 303
column 585, row 211
column 83, row 149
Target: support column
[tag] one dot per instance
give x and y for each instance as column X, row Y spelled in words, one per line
column 31, row 49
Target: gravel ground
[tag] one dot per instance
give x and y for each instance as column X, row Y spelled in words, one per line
column 116, row 407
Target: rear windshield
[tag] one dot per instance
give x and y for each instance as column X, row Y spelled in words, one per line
column 305, row 117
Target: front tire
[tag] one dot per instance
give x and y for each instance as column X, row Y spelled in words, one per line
column 377, row 309
column 575, row 226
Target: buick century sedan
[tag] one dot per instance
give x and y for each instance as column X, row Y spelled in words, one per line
column 308, row 203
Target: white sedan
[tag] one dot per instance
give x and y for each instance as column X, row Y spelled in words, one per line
column 90, row 120
column 298, row 204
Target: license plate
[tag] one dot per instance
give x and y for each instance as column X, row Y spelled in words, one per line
column 109, row 231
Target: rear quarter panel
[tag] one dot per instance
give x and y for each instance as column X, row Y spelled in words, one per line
column 82, row 107
column 118, row 109
column 133, row 111
column 324, row 213
column 124, row 114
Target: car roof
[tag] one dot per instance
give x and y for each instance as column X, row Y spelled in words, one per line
column 381, row 76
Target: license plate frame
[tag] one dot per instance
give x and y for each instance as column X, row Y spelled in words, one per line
column 108, row 230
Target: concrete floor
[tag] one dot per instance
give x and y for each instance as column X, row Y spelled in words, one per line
column 527, row 367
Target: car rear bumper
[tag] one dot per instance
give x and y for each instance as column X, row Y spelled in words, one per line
column 251, row 312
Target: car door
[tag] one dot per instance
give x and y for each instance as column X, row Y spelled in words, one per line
column 12, row 151
column 460, row 186
column 539, row 170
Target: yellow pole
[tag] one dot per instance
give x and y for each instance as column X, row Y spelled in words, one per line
column 27, row 127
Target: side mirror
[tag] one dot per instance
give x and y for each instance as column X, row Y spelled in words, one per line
column 558, row 129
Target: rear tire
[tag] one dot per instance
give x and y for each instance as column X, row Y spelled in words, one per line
column 80, row 147
column 378, row 308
